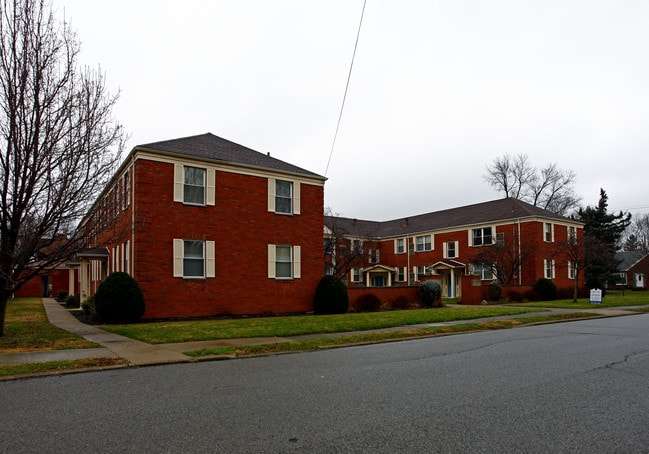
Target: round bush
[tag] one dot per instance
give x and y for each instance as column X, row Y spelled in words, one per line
column 546, row 289
column 331, row 296
column 119, row 299
column 430, row 293
column 368, row 302
column 494, row 290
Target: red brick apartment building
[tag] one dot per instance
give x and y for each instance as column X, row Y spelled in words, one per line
column 207, row 227
column 506, row 240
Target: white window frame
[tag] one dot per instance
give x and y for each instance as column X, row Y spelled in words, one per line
column 295, row 196
column 402, row 274
column 572, row 234
column 548, row 268
column 208, row 258
column 484, row 270
column 374, row 256
column 548, row 232
column 572, row 269
column 400, row 246
column 209, row 185
column 126, row 188
column 296, row 261
column 421, row 247
column 482, row 236
column 456, row 251
column 356, row 275
column 420, row 271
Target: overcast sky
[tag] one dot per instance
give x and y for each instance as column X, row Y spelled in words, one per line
column 438, row 90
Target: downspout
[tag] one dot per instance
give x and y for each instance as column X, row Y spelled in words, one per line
column 132, row 196
column 520, row 267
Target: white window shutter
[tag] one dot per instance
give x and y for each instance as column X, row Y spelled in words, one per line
column 470, row 232
column 210, row 268
column 211, row 184
column 178, row 258
column 296, row 197
column 297, row 262
column 179, row 182
column 271, row 195
column 271, row 261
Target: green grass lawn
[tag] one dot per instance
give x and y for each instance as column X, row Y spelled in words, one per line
column 185, row 331
column 27, row 329
column 613, row 298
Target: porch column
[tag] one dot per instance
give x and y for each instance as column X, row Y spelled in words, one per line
column 367, row 279
column 84, row 278
column 389, row 279
column 71, row 280
column 452, row 289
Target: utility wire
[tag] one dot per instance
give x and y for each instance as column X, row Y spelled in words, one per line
column 342, row 107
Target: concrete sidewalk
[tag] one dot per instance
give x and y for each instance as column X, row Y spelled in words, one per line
column 139, row 353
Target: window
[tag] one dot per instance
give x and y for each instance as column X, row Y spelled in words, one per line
column 356, row 274
column 572, row 270
column 481, row 236
column 572, row 235
column 193, row 259
column 399, row 246
column 420, row 271
column 127, row 257
column 328, row 246
column 500, row 239
column 284, row 262
column 126, row 187
column 194, row 185
column 548, row 266
column 374, row 256
column 619, row 278
column 329, row 270
column 548, row 232
column 283, row 196
column 450, row 249
column 401, row 274
column 423, row 243
column 484, row 270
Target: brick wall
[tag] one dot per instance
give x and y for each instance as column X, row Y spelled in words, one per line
column 241, row 228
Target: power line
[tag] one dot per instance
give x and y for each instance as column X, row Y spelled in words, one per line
column 349, row 75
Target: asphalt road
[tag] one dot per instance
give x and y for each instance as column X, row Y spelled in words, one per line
column 569, row 387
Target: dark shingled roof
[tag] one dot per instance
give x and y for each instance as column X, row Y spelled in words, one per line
column 629, row 258
column 481, row 213
column 209, row 146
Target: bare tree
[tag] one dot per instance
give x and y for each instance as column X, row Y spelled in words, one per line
column 637, row 234
column 348, row 244
column 506, row 257
column 59, row 145
column 550, row 188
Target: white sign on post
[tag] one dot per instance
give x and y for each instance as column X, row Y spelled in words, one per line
column 595, row 296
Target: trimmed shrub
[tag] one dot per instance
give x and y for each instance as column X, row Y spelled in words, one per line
column 546, row 289
column 72, row 302
column 61, row 296
column 400, row 303
column 430, row 293
column 119, row 299
column 494, row 290
column 368, row 302
column 331, row 296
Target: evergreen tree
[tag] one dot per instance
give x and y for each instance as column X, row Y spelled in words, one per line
column 602, row 234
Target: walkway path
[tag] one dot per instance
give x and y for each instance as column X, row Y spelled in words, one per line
column 139, row 353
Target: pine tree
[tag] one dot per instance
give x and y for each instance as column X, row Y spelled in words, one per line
column 602, row 234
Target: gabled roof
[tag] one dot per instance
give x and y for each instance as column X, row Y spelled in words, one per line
column 628, row 259
column 214, row 148
column 500, row 210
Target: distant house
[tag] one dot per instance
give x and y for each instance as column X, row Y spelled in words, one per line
column 207, row 227
column 633, row 269
column 503, row 240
